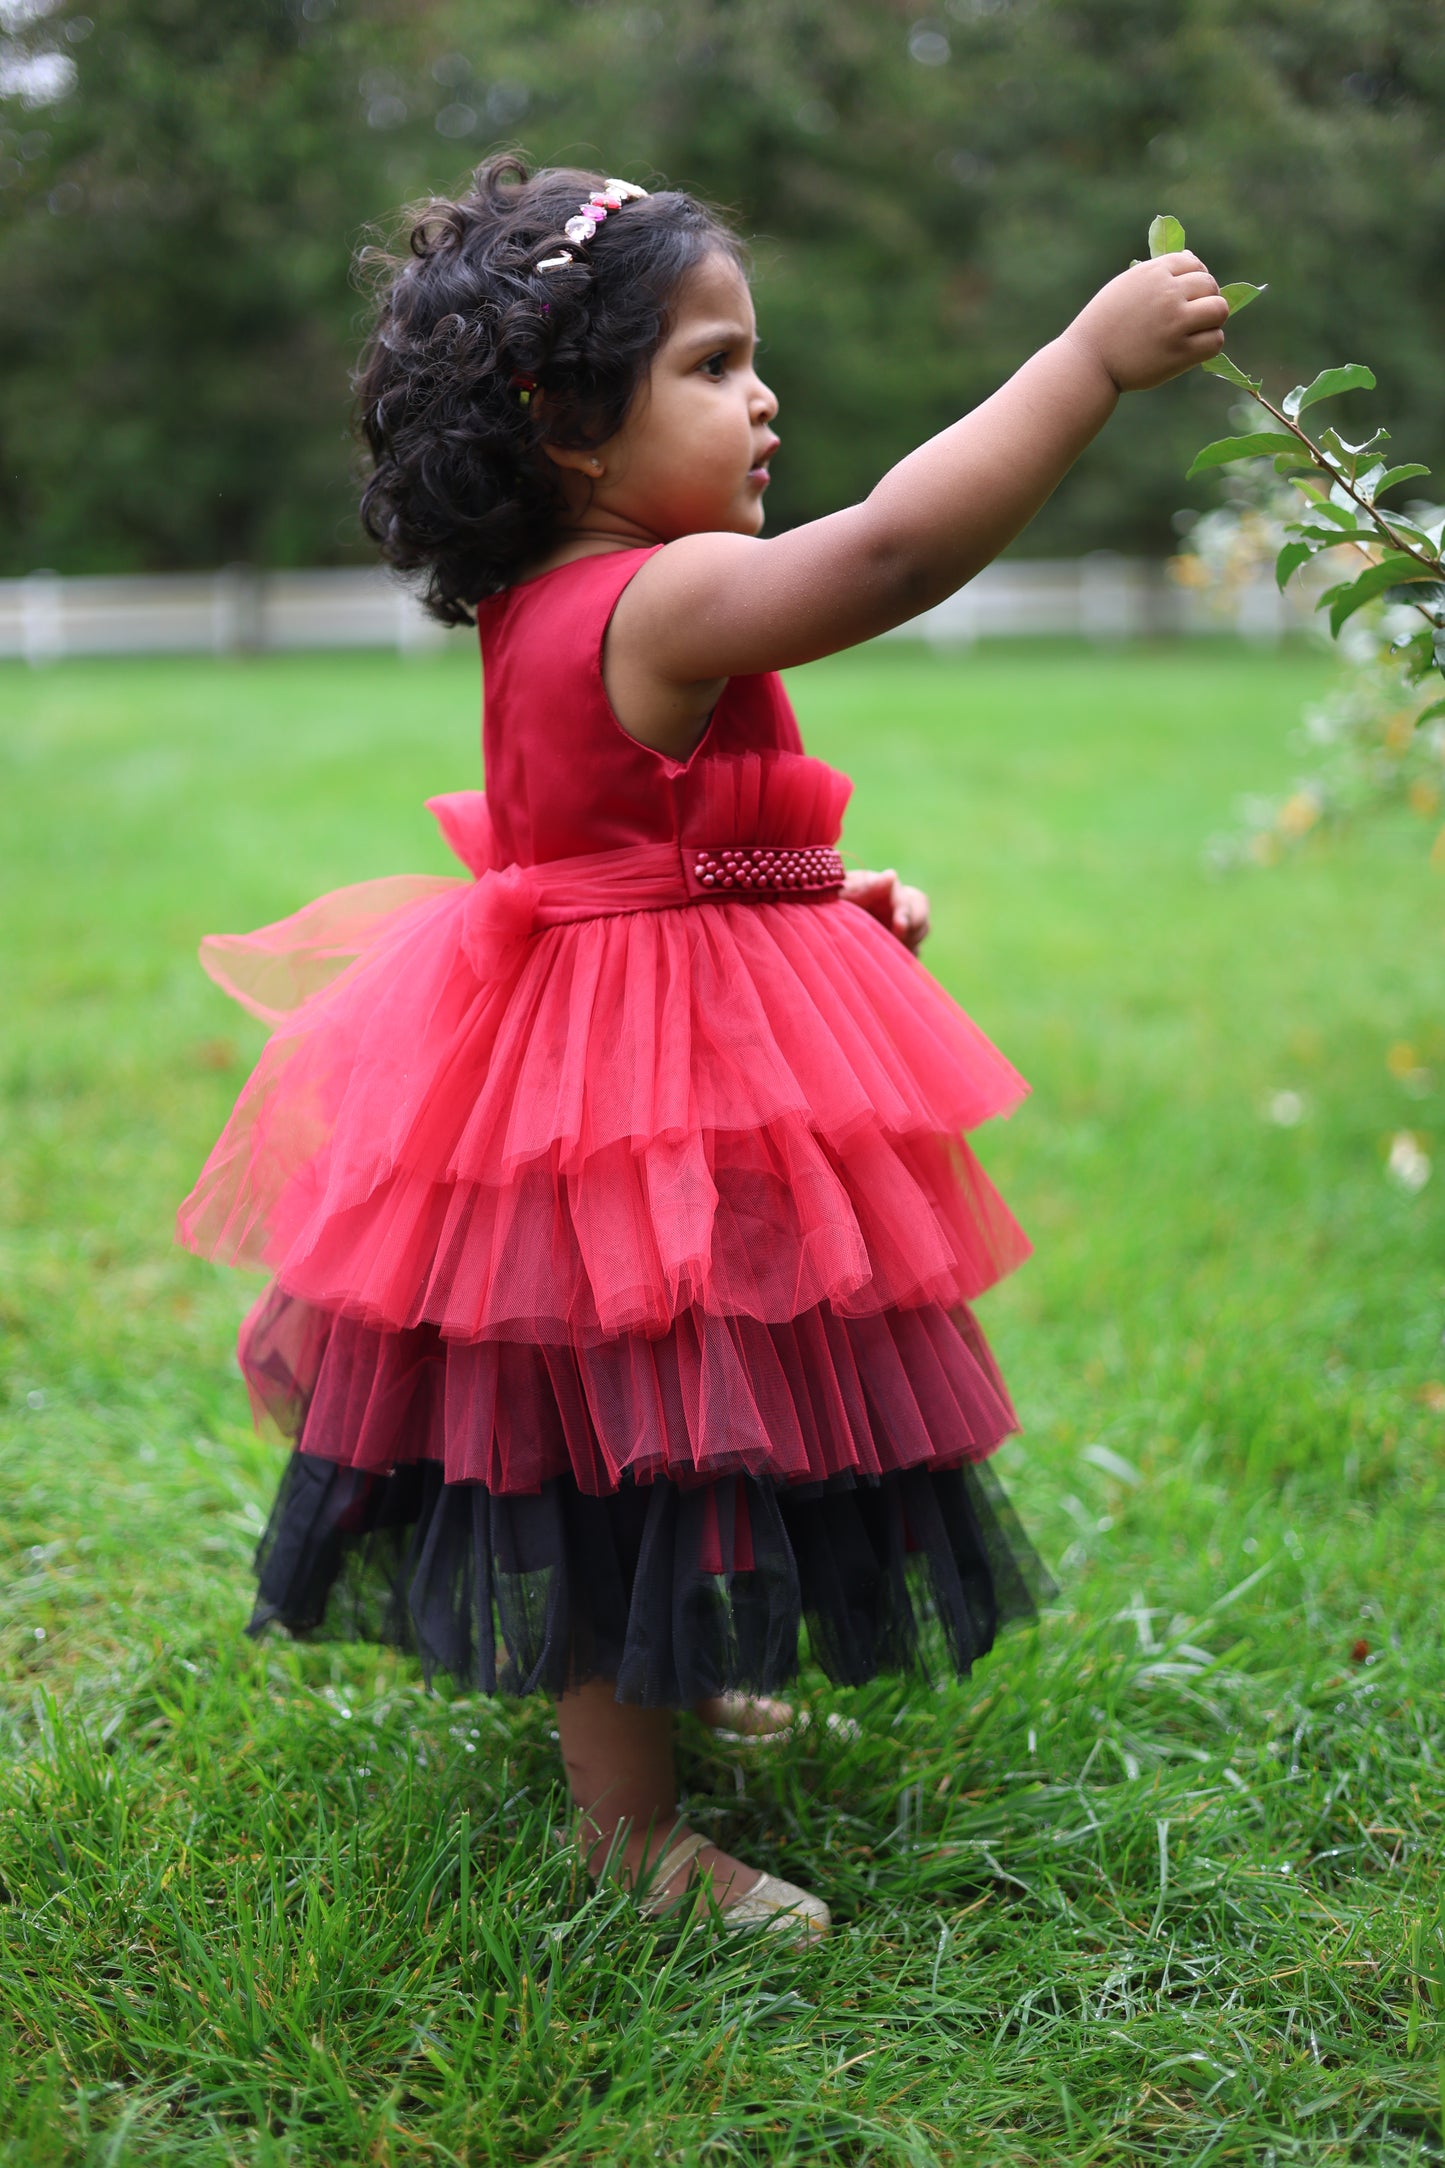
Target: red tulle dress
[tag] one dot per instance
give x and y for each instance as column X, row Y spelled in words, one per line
column 619, row 1218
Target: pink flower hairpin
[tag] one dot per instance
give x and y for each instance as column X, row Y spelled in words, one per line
column 579, row 230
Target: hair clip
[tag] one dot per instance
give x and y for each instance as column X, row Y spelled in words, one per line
column 589, row 216
column 523, row 386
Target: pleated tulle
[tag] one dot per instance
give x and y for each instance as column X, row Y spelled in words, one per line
column 747, row 1109
column 816, row 1397
column 674, row 1595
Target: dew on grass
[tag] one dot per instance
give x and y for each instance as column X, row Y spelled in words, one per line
column 1112, row 1463
column 1408, row 1164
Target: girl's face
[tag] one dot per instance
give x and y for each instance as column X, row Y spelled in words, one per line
column 692, row 456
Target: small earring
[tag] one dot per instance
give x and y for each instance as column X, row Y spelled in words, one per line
column 594, row 466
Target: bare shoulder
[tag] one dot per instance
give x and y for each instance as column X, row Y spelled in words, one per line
column 719, row 605
column 693, row 579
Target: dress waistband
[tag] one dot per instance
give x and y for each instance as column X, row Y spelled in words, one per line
column 508, row 904
column 662, row 876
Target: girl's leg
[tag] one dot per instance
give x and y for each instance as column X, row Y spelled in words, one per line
column 620, row 1768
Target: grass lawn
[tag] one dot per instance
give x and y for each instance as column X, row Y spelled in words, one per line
column 1160, row 1883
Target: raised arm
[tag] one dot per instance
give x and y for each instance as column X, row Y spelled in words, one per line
column 713, row 606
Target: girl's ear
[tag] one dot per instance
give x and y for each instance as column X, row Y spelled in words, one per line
column 573, row 456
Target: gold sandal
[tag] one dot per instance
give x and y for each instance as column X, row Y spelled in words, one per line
column 777, row 1906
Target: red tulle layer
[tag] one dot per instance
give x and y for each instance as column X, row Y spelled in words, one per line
column 740, row 1109
column 816, row 1397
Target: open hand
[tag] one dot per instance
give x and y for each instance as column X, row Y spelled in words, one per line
column 1154, row 321
column 903, row 910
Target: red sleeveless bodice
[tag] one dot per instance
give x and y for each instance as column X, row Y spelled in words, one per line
column 563, row 776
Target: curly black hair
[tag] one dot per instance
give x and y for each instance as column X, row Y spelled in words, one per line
column 460, row 489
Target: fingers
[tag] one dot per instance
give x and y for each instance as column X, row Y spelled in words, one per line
column 1183, row 263
column 903, row 910
column 910, row 915
column 860, row 880
column 1203, row 334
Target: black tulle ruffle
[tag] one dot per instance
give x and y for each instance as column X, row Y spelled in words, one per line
column 675, row 1594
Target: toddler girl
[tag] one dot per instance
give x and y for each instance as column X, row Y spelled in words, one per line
column 620, row 1220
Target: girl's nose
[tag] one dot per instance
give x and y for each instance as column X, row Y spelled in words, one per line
column 765, row 402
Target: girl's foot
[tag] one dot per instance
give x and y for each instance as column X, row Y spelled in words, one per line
column 620, row 1771
column 746, row 1716
column 752, row 1716
column 745, row 1897
column 664, row 1872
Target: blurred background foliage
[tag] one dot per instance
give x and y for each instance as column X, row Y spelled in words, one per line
column 182, row 183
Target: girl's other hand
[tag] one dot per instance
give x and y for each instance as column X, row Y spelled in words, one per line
column 1154, row 321
column 903, row 910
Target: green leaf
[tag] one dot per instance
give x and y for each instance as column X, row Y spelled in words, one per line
column 1221, row 365
column 1165, row 235
column 1224, row 449
column 1329, row 537
column 1240, row 294
column 1340, row 516
column 1416, row 654
column 1392, row 571
column 1393, row 475
column 1409, row 532
column 1381, row 436
column 1350, row 376
column 1289, row 560
column 1345, row 457
column 1338, row 453
column 1292, row 465
column 1428, row 715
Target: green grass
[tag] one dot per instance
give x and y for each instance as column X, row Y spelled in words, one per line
column 1160, row 1883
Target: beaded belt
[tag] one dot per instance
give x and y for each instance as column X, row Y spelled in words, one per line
column 767, row 870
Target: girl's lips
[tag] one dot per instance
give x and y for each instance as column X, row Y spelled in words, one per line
column 759, row 473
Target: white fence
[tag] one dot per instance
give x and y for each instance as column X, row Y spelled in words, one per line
column 45, row 618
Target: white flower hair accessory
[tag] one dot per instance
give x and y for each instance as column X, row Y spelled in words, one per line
column 579, row 230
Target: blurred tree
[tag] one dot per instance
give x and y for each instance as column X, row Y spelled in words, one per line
column 931, row 197
column 174, row 248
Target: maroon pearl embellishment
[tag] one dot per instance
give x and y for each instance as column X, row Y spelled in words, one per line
column 766, row 869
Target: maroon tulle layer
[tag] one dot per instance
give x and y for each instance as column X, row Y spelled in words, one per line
column 815, row 1397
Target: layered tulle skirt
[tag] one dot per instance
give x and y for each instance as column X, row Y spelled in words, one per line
column 622, row 1245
